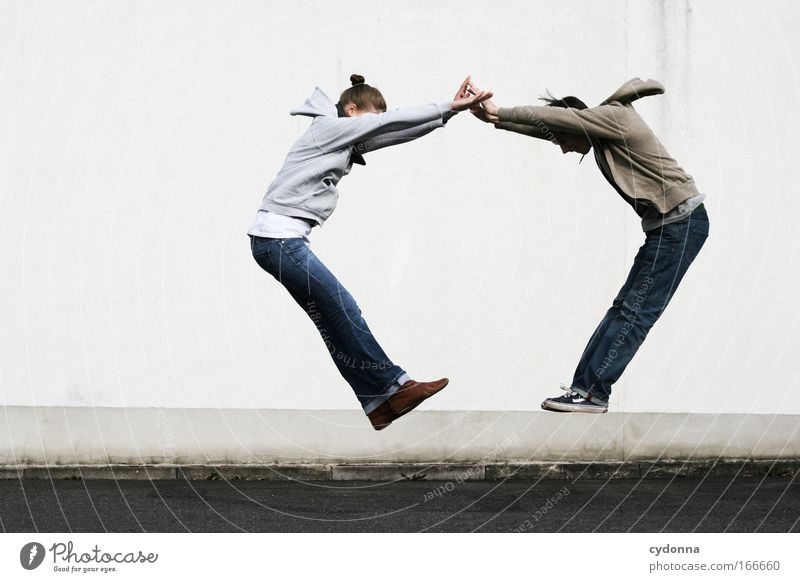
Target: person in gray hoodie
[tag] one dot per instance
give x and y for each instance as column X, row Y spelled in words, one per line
column 663, row 195
column 304, row 195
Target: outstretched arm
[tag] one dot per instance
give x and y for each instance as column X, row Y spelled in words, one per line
column 488, row 112
column 332, row 134
column 529, row 130
column 462, row 98
column 402, row 136
column 605, row 122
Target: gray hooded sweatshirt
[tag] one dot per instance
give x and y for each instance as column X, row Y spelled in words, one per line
column 305, row 186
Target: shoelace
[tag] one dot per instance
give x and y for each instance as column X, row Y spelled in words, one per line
column 568, row 390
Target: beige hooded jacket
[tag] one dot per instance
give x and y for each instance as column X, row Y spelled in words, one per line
column 639, row 163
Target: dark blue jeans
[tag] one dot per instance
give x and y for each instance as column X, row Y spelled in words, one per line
column 657, row 271
column 350, row 343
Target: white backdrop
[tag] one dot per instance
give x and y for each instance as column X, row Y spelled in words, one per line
column 137, row 139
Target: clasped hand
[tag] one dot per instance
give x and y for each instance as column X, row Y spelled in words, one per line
column 469, row 97
column 485, row 109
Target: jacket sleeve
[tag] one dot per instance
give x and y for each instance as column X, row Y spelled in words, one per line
column 404, row 135
column 336, row 133
column 605, row 122
column 530, row 130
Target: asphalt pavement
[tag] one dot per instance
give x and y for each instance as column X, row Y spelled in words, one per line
column 763, row 504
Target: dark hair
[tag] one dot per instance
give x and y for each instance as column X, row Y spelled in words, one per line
column 565, row 102
column 568, row 102
column 363, row 96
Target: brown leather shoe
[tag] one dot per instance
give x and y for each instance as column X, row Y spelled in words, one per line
column 382, row 416
column 411, row 394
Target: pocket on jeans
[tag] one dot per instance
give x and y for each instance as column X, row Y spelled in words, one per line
column 295, row 248
column 264, row 260
column 261, row 254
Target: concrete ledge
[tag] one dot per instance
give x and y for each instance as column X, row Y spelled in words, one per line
column 67, row 436
column 727, row 469
column 408, row 472
column 645, row 470
column 116, row 473
column 383, row 472
column 255, row 473
column 535, row 471
column 11, row 472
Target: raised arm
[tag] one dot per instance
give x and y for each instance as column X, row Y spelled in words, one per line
column 391, row 127
column 529, row 130
column 336, row 133
column 605, row 122
column 406, row 135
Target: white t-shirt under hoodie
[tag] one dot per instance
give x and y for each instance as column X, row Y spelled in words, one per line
column 270, row 225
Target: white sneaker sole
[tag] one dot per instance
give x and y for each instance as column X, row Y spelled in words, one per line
column 559, row 407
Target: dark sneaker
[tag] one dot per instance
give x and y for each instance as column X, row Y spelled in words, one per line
column 572, row 402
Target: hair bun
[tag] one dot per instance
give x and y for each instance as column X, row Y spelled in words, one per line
column 356, row 79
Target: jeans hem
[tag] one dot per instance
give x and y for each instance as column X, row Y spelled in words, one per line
column 589, row 397
column 376, row 401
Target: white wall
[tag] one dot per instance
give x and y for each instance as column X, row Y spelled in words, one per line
column 136, row 141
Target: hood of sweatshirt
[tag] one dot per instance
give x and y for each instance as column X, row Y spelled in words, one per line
column 635, row 89
column 318, row 104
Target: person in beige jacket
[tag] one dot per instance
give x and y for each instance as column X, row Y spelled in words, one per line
column 665, row 197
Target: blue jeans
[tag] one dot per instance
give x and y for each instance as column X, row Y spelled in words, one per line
column 657, row 271
column 350, row 343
